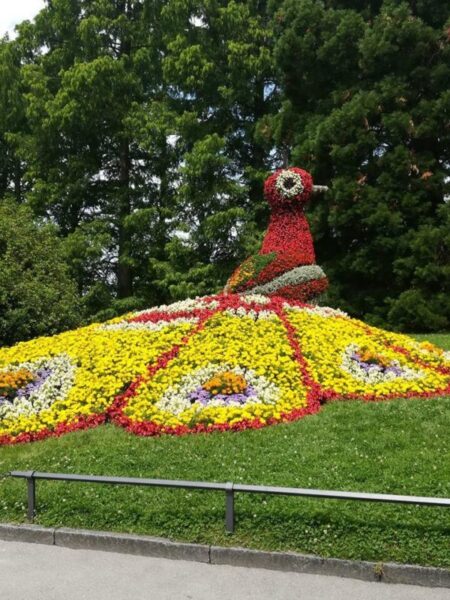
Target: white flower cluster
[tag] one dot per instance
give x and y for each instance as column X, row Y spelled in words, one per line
column 55, row 387
column 295, row 276
column 374, row 375
column 320, row 311
column 187, row 305
column 254, row 299
column 177, row 397
column 253, row 314
column 147, row 326
column 289, row 184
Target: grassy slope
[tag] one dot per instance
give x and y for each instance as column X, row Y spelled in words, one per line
column 399, row 447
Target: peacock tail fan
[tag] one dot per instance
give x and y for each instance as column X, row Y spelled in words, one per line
column 216, row 363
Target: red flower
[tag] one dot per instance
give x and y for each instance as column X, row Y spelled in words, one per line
column 287, row 244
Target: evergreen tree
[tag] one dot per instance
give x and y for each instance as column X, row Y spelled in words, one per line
column 219, row 73
column 37, row 295
column 94, row 70
column 145, row 128
column 12, row 121
column 366, row 108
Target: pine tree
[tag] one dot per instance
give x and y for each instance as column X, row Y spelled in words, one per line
column 220, row 75
column 12, row 121
column 367, row 110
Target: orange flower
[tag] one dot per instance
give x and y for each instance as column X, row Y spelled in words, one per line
column 226, row 383
column 11, row 381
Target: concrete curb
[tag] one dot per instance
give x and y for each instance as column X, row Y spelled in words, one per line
column 215, row 555
column 130, row 544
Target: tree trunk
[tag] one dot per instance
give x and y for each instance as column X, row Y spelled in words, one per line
column 18, row 181
column 124, row 273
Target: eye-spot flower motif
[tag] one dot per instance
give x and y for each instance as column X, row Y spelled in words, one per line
column 218, row 386
column 371, row 367
column 289, row 183
column 32, row 387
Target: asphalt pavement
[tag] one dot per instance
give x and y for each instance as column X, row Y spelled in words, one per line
column 40, row 572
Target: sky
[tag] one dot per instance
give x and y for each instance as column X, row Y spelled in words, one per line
column 15, row 11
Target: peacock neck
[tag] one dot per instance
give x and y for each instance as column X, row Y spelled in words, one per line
column 288, row 234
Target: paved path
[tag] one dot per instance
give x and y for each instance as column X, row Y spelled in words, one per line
column 39, row 572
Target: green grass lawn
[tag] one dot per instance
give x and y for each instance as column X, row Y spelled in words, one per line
column 402, row 446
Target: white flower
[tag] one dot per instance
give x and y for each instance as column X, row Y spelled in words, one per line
column 147, row 326
column 321, row 311
column 289, row 183
column 295, row 276
column 187, row 305
column 177, row 397
column 375, row 375
column 255, row 299
column 55, row 387
column 252, row 314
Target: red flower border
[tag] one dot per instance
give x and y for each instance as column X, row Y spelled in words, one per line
column 316, row 395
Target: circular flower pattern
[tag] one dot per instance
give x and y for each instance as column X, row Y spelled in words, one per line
column 218, row 386
column 288, row 186
column 289, row 183
column 371, row 367
column 32, row 387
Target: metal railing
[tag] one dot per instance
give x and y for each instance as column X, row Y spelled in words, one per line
column 229, row 488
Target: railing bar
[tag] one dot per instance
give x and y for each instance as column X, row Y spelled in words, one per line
column 174, row 483
column 243, row 488
column 339, row 495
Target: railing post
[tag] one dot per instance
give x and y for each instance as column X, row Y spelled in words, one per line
column 229, row 507
column 31, row 487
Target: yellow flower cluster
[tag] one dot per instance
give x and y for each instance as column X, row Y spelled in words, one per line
column 367, row 355
column 323, row 342
column 105, row 361
column 261, row 346
column 248, row 363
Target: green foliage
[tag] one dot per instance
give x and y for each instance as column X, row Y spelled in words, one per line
column 368, row 116
column 37, row 295
column 145, row 130
column 12, row 120
column 252, row 267
column 219, row 70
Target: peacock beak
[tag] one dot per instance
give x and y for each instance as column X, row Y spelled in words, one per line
column 319, row 189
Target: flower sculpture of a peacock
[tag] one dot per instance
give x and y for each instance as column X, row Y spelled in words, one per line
column 285, row 265
column 260, row 353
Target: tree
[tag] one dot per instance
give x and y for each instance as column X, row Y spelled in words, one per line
column 37, row 295
column 12, row 121
column 145, row 128
column 367, row 109
column 91, row 69
column 219, row 74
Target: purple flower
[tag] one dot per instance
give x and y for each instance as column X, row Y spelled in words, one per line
column 372, row 366
column 203, row 396
column 41, row 376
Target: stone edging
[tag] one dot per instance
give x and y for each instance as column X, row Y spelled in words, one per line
column 241, row 557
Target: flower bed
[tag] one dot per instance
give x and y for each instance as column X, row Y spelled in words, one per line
column 224, row 362
column 285, row 265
